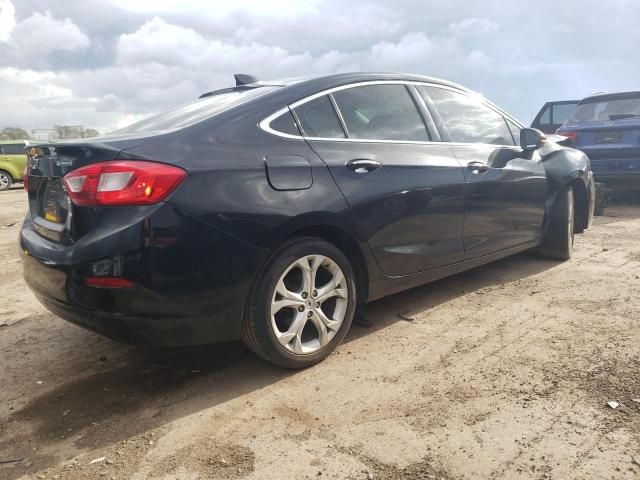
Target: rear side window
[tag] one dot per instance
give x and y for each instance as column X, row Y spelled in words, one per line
column 467, row 119
column 13, row 149
column 285, row 124
column 197, row 111
column 381, row 112
column 607, row 108
column 318, row 118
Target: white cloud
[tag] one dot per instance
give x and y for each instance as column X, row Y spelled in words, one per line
column 222, row 8
column 159, row 41
column 7, row 19
column 35, row 38
column 103, row 64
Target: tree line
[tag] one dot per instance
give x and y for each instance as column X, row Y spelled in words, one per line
column 57, row 132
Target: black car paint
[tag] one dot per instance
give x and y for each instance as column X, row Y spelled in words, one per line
column 194, row 257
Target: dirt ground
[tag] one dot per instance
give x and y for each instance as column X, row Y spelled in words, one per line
column 501, row 372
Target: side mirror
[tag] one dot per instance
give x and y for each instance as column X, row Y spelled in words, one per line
column 532, row 139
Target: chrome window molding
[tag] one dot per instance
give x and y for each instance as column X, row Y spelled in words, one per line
column 265, row 124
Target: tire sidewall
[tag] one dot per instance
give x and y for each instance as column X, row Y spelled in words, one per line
column 570, row 218
column 274, row 270
column 9, row 181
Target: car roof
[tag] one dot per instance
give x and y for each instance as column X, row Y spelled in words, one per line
column 353, row 77
column 314, row 83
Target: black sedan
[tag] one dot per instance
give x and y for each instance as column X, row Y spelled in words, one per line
column 269, row 211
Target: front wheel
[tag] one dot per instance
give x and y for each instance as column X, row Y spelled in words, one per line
column 302, row 304
column 557, row 243
column 5, row 180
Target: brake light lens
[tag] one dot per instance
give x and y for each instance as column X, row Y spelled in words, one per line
column 122, row 182
column 25, row 177
column 567, row 133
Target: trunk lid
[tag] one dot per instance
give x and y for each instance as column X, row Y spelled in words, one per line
column 613, row 141
column 52, row 214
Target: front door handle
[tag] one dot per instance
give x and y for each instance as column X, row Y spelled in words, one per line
column 478, row 167
column 361, row 165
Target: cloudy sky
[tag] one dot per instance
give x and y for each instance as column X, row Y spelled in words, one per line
column 105, row 63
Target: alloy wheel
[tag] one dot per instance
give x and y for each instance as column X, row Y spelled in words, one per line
column 309, row 304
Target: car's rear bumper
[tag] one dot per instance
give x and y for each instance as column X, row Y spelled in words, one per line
column 616, row 170
column 191, row 283
column 618, row 180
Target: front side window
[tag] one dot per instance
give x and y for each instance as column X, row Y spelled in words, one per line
column 318, row 118
column 381, row 112
column 467, row 119
column 515, row 131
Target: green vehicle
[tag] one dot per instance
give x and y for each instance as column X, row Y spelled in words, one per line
column 13, row 159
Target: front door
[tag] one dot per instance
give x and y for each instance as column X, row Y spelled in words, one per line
column 506, row 187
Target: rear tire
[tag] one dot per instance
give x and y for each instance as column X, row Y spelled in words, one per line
column 301, row 305
column 5, row 180
column 557, row 243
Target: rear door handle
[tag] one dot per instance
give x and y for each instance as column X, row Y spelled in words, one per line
column 478, row 167
column 362, row 165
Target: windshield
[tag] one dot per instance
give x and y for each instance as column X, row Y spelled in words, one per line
column 607, row 108
column 196, row 111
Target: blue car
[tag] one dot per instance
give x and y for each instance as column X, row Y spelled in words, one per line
column 607, row 128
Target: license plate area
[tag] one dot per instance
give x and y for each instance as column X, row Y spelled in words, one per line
column 608, row 136
column 54, row 203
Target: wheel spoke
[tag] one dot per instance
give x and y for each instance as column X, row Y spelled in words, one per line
column 294, row 333
column 287, row 298
column 307, row 279
column 321, row 328
column 327, row 322
column 316, row 263
column 335, row 288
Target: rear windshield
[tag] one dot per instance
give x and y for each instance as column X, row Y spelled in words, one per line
column 196, row 111
column 607, row 108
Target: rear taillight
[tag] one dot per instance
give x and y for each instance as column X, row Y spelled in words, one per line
column 567, row 133
column 25, row 178
column 122, row 182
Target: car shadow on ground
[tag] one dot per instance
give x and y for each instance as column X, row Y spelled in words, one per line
column 151, row 387
column 621, row 208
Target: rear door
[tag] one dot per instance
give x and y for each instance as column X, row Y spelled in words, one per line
column 506, row 187
column 405, row 188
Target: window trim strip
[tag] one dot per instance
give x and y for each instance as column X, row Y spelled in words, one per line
column 265, row 124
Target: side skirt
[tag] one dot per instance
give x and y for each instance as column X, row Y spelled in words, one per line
column 385, row 285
